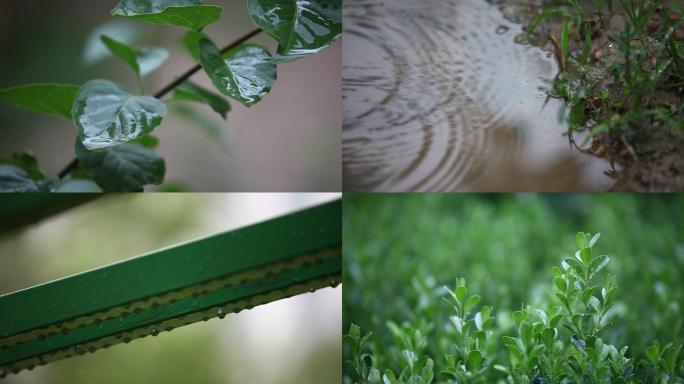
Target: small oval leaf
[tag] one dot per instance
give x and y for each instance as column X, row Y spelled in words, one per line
column 192, row 92
column 244, row 73
column 107, row 115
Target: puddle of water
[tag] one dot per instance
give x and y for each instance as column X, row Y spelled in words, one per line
column 438, row 97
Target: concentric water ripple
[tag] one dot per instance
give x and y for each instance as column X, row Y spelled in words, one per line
column 437, row 96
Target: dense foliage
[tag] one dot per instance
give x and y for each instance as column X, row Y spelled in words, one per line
column 534, row 310
column 114, row 149
column 614, row 57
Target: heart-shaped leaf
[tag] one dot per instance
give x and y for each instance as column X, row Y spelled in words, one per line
column 55, row 99
column 193, row 92
column 142, row 61
column 184, row 13
column 244, row 73
column 300, row 27
column 124, row 168
column 107, row 115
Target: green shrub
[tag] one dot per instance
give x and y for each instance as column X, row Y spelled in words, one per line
column 574, row 326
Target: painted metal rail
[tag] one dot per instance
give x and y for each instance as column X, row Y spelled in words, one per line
column 171, row 287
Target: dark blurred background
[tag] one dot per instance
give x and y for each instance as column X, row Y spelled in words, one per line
column 400, row 250
column 290, row 141
column 291, row 341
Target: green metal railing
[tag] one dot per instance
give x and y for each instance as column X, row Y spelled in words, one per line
column 172, row 287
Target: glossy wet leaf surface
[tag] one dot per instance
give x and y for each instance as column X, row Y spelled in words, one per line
column 189, row 14
column 191, row 42
column 15, row 179
column 300, row 27
column 142, row 61
column 107, row 115
column 124, row 168
column 54, row 99
column 245, row 73
column 192, row 92
column 27, row 162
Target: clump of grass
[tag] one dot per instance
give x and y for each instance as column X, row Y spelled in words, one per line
column 562, row 345
column 620, row 82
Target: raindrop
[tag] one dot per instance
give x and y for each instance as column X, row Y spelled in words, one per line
column 154, row 332
column 334, row 283
column 312, row 290
column 468, row 99
column 502, row 29
column 127, row 340
column 221, row 314
column 91, row 349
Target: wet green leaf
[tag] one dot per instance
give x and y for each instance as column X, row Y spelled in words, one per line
column 475, row 359
column 653, row 353
column 142, row 61
column 15, row 179
column 244, row 73
column 54, row 99
column 519, row 316
column 191, row 41
column 193, row 92
column 107, row 115
column 471, row 303
column 300, row 27
column 124, row 168
column 27, row 162
column 189, row 14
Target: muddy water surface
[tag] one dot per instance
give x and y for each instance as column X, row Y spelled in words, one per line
column 438, row 96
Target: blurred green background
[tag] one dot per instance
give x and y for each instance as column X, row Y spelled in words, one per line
column 287, row 142
column 400, row 251
column 294, row 340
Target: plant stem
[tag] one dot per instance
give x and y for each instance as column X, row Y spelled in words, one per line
column 162, row 92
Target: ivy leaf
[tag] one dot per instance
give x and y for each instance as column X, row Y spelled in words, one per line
column 191, row 41
column 54, row 99
column 193, row 92
column 300, row 27
column 107, row 115
column 189, row 14
column 124, row 168
column 142, row 61
column 15, row 179
column 77, row 186
column 244, row 73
